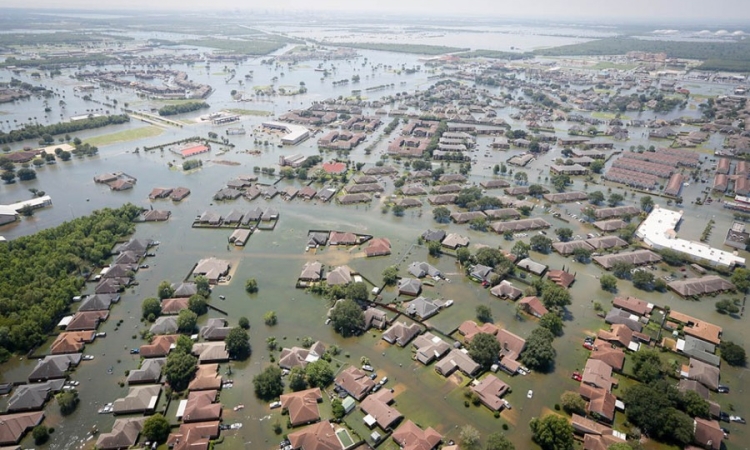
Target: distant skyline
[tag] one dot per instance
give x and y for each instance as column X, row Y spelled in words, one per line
column 694, row 11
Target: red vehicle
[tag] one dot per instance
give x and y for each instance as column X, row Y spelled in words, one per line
column 577, row 376
column 588, row 345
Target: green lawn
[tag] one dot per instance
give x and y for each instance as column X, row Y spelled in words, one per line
column 124, row 136
column 607, row 115
column 250, row 112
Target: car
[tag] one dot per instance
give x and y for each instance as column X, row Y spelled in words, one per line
column 737, row 419
column 507, row 404
column 588, row 345
column 383, row 381
column 222, row 297
column 373, row 376
column 377, row 387
column 722, row 389
column 367, row 368
column 724, row 417
column 135, row 351
column 726, row 431
column 577, row 376
column 530, row 394
column 275, row 405
column 144, row 266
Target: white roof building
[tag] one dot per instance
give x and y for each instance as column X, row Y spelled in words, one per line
column 658, row 231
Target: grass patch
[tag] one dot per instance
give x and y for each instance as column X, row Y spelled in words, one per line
column 608, row 65
column 496, row 54
column 257, row 46
column 250, row 112
column 607, row 115
column 404, row 48
column 126, row 135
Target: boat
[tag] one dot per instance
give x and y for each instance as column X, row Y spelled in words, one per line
column 239, row 407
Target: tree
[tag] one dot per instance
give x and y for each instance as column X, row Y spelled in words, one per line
column 525, row 210
column 390, row 276
column 614, row 199
column 560, row 181
column 469, row 437
column 478, row 224
column 357, row 292
column 26, row 174
column 319, row 373
column 251, row 286
column 297, row 379
column 741, row 279
column 554, row 296
column 596, row 197
column 441, row 214
column 552, row 432
column 597, row 166
column 536, row 190
column 647, row 203
column 581, row 254
column 498, row 441
column 186, row 321
column 184, row 344
column 164, row 290
column 694, row 405
column 608, row 282
column 40, row 433
column 337, row 409
column 733, row 354
column 179, row 369
column 244, row 323
column 270, row 318
column 484, row 349
column 520, row 250
column 647, row 365
column 672, row 257
column 434, row 248
column 541, row 243
column 521, row 177
column 573, row 403
column 463, row 255
column 8, row 176
column 156, row 428
column 539, row 353
column 727, row 306
column 151, row 308
column 268, row 384
column 67, row 401
column 553, row 323
column 643, row 280
column 564, row 234
column 204, row 287
column 484, row 313
column 621, row 269
column 197, row 304
column 238, row 344
column 620, row 446
column 347, row 318
column 26, row 211
column 495, row 169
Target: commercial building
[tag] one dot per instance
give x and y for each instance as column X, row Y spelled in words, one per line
column 294, row 133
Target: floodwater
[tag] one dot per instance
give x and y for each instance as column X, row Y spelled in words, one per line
column 275, row 258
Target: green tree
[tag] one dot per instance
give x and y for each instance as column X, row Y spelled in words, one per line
column 156, row 428
column 520, row 250
column 484, row 349
column 441, row 214
column 555, row 297
column 268, row 384
column 251, row 286
column 608, row 282
column 347, row 318
column 552, row 432
column 553, row 323
column 672, row 257
column 197, row 304
column 357, row 292
column 621, row 269
column 297, row 379
column 270, row 319
column 614, row 199
column 564, row 234
column 560, row 181
column 26, row 174
column 741, row 279
column 469, row 437
column 337, row 409
column 541, row 244
column 164, row 290
column 643, row 280
column 67, row 401
column 319, row 373
column 186, row 321
column 597, row 166
column 647, row 365
column 539, row 354
column 498, row 441
column 463, row 255
column 694, row 405
column 390, row 276
column 179, row 369
column 40, row 433
column 151, row 308
column 647, row 203
column 733, row 354
column 596, row 197
column 204, row 287
column 573, row 403
column 581, row 254
column 536, row 190
column 495, row 169
column 244, row 323
column 434, row 248
column 184, row 344
column 238, row 344
column 484, row 313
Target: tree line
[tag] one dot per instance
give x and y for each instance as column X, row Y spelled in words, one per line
column 171, row 110
column 38, row 131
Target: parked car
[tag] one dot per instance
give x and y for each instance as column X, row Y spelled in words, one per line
column 723, row 389
column 275, row 405
column 737, row 419
column 135, row 351
column 577, row 376
column 530, row 394
column 367, row 368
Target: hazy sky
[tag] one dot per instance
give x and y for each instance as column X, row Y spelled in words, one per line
column 652, row 10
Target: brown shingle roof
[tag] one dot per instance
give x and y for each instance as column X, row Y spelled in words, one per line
column 302, row 406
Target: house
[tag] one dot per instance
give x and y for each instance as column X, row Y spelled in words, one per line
column 299, row 356
column 319, row 436
column 422, row 269
column 596, row 436
column 98, row 302
column 692, row 385
column 210, row 352
column 422, row 307
column 633, row 305
column 13, row 427
column 216, row 329
column 71, row 342
column 140, row 399
column 312, row 271
column 532, row 305
column 212, row 268
column 124, row 434
column 457, row 360
column 429, row 347
column 607, row 353
column 561, row 278
column 619, row 334
column 598, row 374
column 355, row 382
column 148, row 373
column 480, row 273
column 375, row 318
column 433, row 235
column 378, row 410
column 340, row 276
column 532, row 266
column 506, row 290
column 200, row 406
column 410, row 437
column 342, row 238
column 708, row 433
column 302, row 406
column 378, row 247
column 618, row 316
column 32, row 397
column 698, row 349
column 184, row 289
column 601, row 403
column 704, row 285
column 401, row 334
column 53, row 367
column 409, row 286
column 160, row 346
column 164, row 325
column 207, row 378
column 706, row 374
column 87, row 320
column 173, row 306
column 455, row 240
column 697, row 328
column 490, row 392
column 193, row 436
column 155, row 215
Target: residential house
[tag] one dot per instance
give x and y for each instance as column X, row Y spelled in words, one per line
column 607, row 353
column 87, row 320
column 299, row 356
column 704, row 373
column 378, row 247
column 207, row 378
column 423, row 269
column 210, row 352
column 148, row 373
column 302, row 406
column 480, row 273
column 124, row 434
column 164, row 325
column 13, row 427
column 422, row 307
column 455, row 240
column 490, row 391
column 160, row 346
column 708, row 433
column 633, row 305
column 211, row 268
column 71, row 342
column 505, row 289
column 193, row 436
column 53, row 367
column 375, row 318
column 457, row 360
column 598, row 374
column 140, row 399
column 173, row 306
column 534, row 306
column 216, row 329
column 561, row 278
column 340, row 276
column 429, row 347
column 409, row 286
column 32, row 397
column 201, row 406
column 378, row 410
column 410, row 437
column 401, row 334
column 319, row 436
column 355, row 382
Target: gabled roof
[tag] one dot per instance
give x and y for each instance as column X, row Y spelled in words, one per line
column 184, row 289
column 193, row 436
column 159, row 346
column 29, row 397
column 355, row 381
column 708, row 433
column 164, row 325
column 511, row 345
column 71, row 342
column 490, row 390
column 302, row 406
column 87, row 320
column 98, row 302
column 505, row 289
column 139, row 399
column 422, row 307
column 215, row 329
column 319, row 436
column 618, row 316
column 409, row 286
column 430, row 347
column 298, row 356
column 378, row 247
column 377, row 406
column 375, row 318
column 410, row 437
column 456, row 359
column 339, row 276
column 149, row 372
column 200, row 407
column 312, row 271
column 54, row 366
column 598, row 374
column 171, row 306
column 14, row 426
column 632, row 304
column 533, row 306
column 124, row 434
column 605, row 352
column 400, row 333
column 706, row 374
column 208, row 352
column 207, row 377
column 422, row 269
